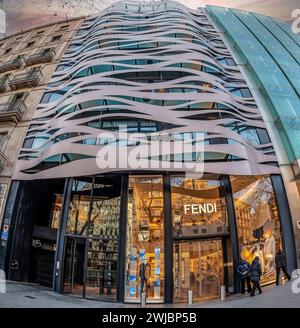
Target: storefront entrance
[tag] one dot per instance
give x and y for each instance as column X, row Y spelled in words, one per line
column 110, row 237
column 94, row 274
column 74, row 265
column 91, row 239
column 198, row 267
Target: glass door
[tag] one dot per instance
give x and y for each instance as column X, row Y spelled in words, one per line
column 74, row 265
column 91, row 242
column 101, row 275
column 198, row 267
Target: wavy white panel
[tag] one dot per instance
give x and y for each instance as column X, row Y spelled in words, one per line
column 180, row 40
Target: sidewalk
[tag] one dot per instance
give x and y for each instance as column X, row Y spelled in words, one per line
column 28, row 296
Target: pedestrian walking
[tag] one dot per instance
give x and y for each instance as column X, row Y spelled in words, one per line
column 280, row 265
column 255, row 274
column 243, row 270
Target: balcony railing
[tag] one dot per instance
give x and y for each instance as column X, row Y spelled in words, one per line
column 3, row 83
column 25, row 80
column 3, row 161
column 11, row 65
column 40, row 57
column 12, row 111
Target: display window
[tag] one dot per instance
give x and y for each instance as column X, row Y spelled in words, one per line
column 198, row 207
column 91, row 239
column 145, row 239
column 79, row 207
column 257, row 221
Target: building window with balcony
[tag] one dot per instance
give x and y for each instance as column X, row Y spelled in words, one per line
column 10, row 65
column 28, row 79
column 41, row 56
column 13, row 109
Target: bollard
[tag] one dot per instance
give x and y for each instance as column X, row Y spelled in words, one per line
column 190, row 297
column 280, row 278
column 223, row 293
column 143, row 299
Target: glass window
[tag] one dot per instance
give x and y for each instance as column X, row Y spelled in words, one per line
column 104, row 221
column 79, row 207
column 145, row 239
column 101, row 273
column 257, row 221
column 91, row 250
column 56, row 211
column 198, row 207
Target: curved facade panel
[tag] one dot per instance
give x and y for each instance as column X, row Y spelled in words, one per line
column 159, row 71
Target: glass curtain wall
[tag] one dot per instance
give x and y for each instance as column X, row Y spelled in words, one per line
column 145, row 239
column 75, row 238
column 91, row 239
column 257, row 221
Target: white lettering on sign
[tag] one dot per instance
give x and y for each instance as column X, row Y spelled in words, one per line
column 200, row 208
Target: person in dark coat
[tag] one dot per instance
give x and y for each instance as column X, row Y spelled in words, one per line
column 255, row 274
column 243, row 270
column 280, row 265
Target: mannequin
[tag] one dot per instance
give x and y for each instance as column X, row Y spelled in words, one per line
column 269, row 253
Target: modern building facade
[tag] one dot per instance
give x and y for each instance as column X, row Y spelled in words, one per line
column 161, row 84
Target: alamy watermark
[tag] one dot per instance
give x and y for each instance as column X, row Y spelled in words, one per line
column 296, row 281
column 296, row 22
column 151, row 151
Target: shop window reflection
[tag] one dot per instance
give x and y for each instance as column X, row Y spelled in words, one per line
column 145, row 237
column 104, row 220
column 79, row 207
column 56, row 211
column 257, row 221
column 198, row 207
column 101, row 273
column 91, row 251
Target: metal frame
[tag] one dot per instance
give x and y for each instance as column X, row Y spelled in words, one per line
column 286, row 222
column 60, row 246
column 233, row 230
column 168, row 241
column 122, row 239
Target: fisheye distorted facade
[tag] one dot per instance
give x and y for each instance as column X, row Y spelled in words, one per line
column 156, row 76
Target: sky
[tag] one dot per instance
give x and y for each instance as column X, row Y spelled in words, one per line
column 23, row 14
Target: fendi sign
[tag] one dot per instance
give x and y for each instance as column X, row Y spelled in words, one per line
column 200, row 208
